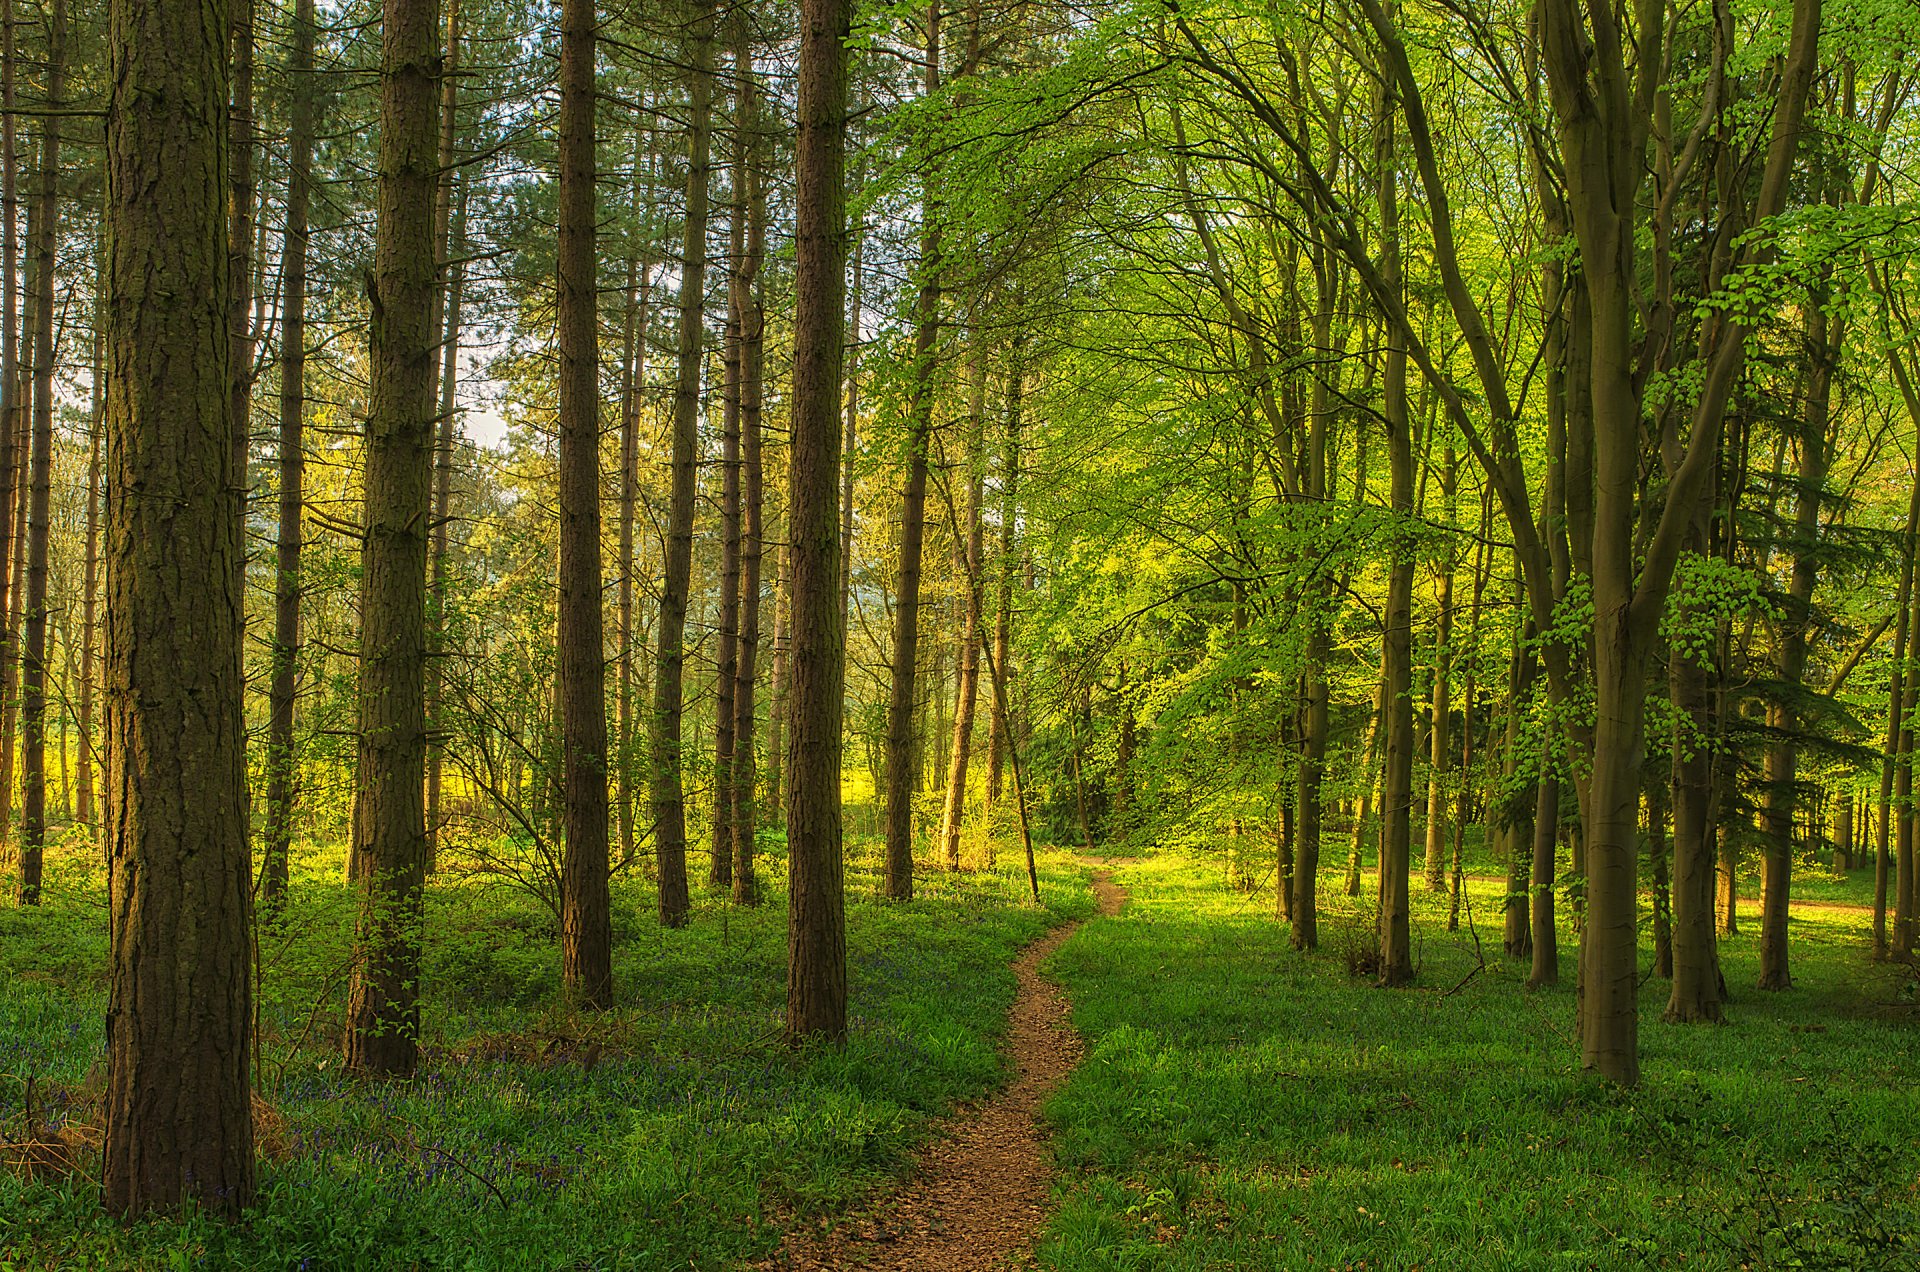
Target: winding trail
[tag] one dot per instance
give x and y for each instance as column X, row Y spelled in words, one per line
column 979, row 1192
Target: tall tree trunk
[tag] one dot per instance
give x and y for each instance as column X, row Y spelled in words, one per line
column 177, row 1109
column 746, row 887
column 240, row 257
column 1896, row 698
column 1825, row 337
column 1396, row 828
column 968, row 546
column 633, row 378
column 1441, row 701
column 282, row 762
column 586, row 932
column 816, row 916
column 90, row 570
column 727, row 638
column 999, row 735
column 449, row 233
column 902, row 700
column 669, row 796
column 390, row 832
column 33, row 680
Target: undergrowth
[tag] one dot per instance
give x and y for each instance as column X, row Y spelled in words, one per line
column 1243, row 1106
column 673, row 1132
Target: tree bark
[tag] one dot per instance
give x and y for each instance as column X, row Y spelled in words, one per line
column 177, row 1108
column 727, row 637
column 33, row 679
column 816, row 917
column 746, row 886
column 586, row 933
column 282, row 761
column 1396, row 694
column 390, row 833
column 669, row 796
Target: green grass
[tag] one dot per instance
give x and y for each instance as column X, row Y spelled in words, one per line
column 687, row 1141
column 1244, row 1106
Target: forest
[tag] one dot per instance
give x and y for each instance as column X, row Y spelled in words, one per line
column 1163, row 634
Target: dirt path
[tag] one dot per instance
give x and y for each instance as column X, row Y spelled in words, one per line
column 979, row 1193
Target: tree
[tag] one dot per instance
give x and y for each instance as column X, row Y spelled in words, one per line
column 585, row 920
column 389, row 824
column 282, row 761
column 669, row 795
column 177, row 1109
column 816, row 914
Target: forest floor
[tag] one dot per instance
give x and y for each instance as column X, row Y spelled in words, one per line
column 675, row 1131
column 1236, row 1104
column 982, row 1189
column 1245, row 1106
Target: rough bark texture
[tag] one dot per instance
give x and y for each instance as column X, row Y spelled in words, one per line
column 33, row 669
column 727, row 636
column 816, row 914
column 746, row 887
column 389, row 832
column 669, row 795
column 282, row 770
column 177, row 1110
column 586, row 932
column 449, row 231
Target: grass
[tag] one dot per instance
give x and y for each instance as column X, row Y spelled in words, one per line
column 1244, row 1106
column 673, row 1132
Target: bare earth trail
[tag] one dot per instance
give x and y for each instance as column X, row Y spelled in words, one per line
column 979, row 1192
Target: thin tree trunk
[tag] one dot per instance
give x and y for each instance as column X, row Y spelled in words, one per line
column 177, row 1110
column 449, row 233
column 727, row 638
column 90, row 578
column 1441, row 701
column 902, row 701
column 390, row 832
column 968, row 545
column 1396, row 947
column 282, row 762
column 746, row 887
column 998, row 734
column 33, row 680
column 1896, row 697
column 669, row 796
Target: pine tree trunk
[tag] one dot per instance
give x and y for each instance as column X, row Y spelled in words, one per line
column 998, row 732
column 33, row 680
column 449, row 233
column 816, row 917
column 90, row 575
column 282, row 761
column 390, row 833
column 177, row 1109
column 727, row 636
column 669, row 795
column 1896, row 697
column 746, row 887
column 586, row 933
